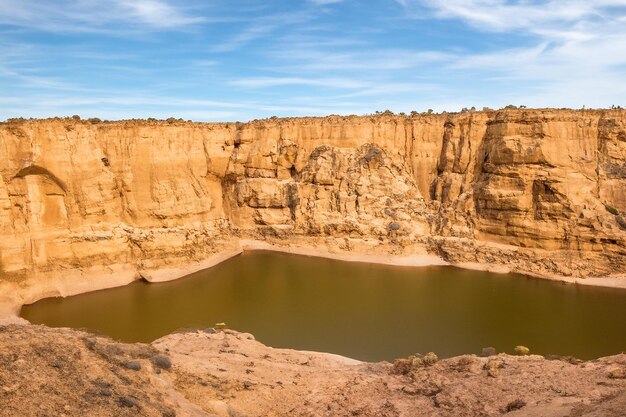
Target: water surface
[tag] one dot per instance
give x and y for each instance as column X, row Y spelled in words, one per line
column 364, row 311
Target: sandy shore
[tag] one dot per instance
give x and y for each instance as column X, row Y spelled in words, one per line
column 425, row 260
column 72, row 282
column 410, row 260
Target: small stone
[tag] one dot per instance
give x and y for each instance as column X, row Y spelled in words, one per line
column 493, row 367
column 617, row 373
column 402, row 366
column 393, row 226
column 417, row 361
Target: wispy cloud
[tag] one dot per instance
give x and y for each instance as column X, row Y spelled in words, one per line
column 507, row 15
column 268, row 82
column 324, row 2
column 258, row 27
column 124, row 106
column 247, row 35
column 94, row 15
column 298, row 56
column 26, row 80
column 157, row 13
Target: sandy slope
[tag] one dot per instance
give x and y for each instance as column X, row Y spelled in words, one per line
column 61, row 372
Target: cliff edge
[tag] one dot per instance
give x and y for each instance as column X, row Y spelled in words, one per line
column 538, row 191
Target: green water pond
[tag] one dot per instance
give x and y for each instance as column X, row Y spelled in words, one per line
column 364, row 311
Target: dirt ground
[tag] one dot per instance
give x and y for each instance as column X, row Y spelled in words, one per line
column 63, row 372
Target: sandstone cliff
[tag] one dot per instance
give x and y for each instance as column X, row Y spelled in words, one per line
column 538, row 191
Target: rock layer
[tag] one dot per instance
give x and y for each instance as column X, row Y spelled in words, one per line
column 537, row 191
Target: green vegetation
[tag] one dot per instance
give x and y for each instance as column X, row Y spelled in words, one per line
column 419, row 361
column 430, row 358
column 611, row 209
column 161, row 362
column 132, row 365
column 522, row 350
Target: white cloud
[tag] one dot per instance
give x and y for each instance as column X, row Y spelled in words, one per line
column 33, row 81
column 124, row 105
column 94, row 15
column 268, row 82
column 304, row 58
column 157, row 13
column 509, row 15
column 244, row 37
column 573, row 53
column 260, row 27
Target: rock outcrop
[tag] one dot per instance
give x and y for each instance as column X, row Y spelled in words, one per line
column 537, row 191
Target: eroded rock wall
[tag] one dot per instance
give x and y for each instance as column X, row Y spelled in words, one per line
column 540, row 191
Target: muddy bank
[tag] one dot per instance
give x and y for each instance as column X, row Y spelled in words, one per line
column 72, row 282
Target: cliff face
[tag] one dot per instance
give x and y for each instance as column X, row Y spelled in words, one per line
column 540, row 191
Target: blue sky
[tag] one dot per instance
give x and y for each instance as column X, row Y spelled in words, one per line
column 241, row 59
